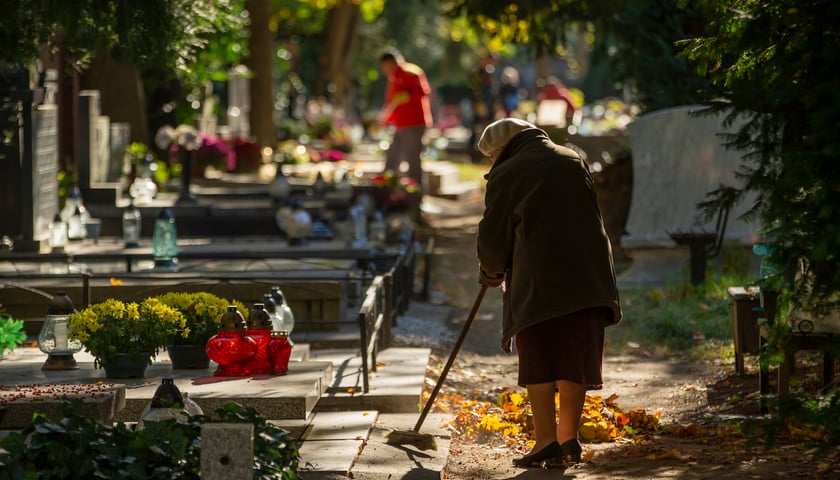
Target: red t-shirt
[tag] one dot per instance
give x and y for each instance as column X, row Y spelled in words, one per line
column 417, row 110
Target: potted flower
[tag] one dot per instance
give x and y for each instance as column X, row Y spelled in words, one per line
column 123, row 337
column 202, row 312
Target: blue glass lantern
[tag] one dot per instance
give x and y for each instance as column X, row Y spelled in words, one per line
column 165, row 241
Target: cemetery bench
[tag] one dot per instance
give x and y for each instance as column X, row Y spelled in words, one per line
column 799, row 341
column 746, row 310
column 702, row 243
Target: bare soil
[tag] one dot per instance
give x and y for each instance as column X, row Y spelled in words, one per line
column 694, row 398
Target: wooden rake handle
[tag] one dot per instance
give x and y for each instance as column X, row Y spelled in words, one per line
column 455, row 349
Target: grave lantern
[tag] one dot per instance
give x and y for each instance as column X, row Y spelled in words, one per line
column 232, row 348
column 58, row 234
column 259, row 328
column 165, row 241
column 131, row 223
column 279, row 352
column 54, row 336
column 297, row 224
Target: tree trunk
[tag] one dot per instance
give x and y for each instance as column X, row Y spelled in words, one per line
column 260, row 62
column 335, row 81
column 121, row 94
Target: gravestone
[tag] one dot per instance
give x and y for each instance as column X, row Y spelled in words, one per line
column 92, row 151
column 239, row 103
column 99, row 169
column 120, row 140
column 28, row 163
column 44, row 169
column 86, row 151
column 678, row 157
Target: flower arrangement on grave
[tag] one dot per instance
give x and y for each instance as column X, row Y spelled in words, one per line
column 248, row 157
column 213, row 152
column 140, row 157
column 391, row 191
column 202, row 312
column 290, row 152
column 112, row 327
column 183, row 137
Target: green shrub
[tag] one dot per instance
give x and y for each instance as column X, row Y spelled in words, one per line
column 79, row 447
column 11, row 333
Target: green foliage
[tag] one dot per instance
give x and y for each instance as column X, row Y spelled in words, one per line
column 771, row 65
column 167, row 32
column 11, row 333
column 633, row 42
column 637, row 47
column 807, row 418
column 539, row 24
column 79, row 447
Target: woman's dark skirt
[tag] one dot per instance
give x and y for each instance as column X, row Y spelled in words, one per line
column 570, row 348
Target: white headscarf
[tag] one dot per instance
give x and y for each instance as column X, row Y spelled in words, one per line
column 499, row 133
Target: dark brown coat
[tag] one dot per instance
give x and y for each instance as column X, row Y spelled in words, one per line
column 542, row 232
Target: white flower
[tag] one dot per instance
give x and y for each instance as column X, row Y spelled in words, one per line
column 164, row 137
column 185, row 136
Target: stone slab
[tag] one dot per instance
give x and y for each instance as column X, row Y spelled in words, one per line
column 395, row 386
column 353, row 425
column 19, row 403
column 335, row 456
column 227, row 451
column 335, row 440
column 381, row 461
column 291, row 396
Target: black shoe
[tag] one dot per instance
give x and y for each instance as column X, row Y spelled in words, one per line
column 535, row 459
column 570, row 454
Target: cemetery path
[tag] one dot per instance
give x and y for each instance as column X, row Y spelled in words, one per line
column 694, row 399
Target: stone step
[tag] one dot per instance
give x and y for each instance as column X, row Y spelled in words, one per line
column 334, row 440
column 353, row 445
column 395, row 386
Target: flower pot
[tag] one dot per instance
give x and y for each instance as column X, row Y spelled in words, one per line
column 188, row 356
column 127, row 365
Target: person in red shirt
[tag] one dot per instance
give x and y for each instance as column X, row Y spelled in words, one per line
column 407, row 108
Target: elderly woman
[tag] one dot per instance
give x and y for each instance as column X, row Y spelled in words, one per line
column 542, row 240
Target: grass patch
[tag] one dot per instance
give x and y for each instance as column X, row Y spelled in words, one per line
column 676, row 317
column 473, row 172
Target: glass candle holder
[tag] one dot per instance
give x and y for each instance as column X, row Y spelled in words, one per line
column 54, row 340
column 279, row 352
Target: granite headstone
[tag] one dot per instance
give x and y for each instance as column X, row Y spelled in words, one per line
column 86, row 151
column 678, row 157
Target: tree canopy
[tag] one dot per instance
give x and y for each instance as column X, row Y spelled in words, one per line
column 773, row 62
column 167, row 34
